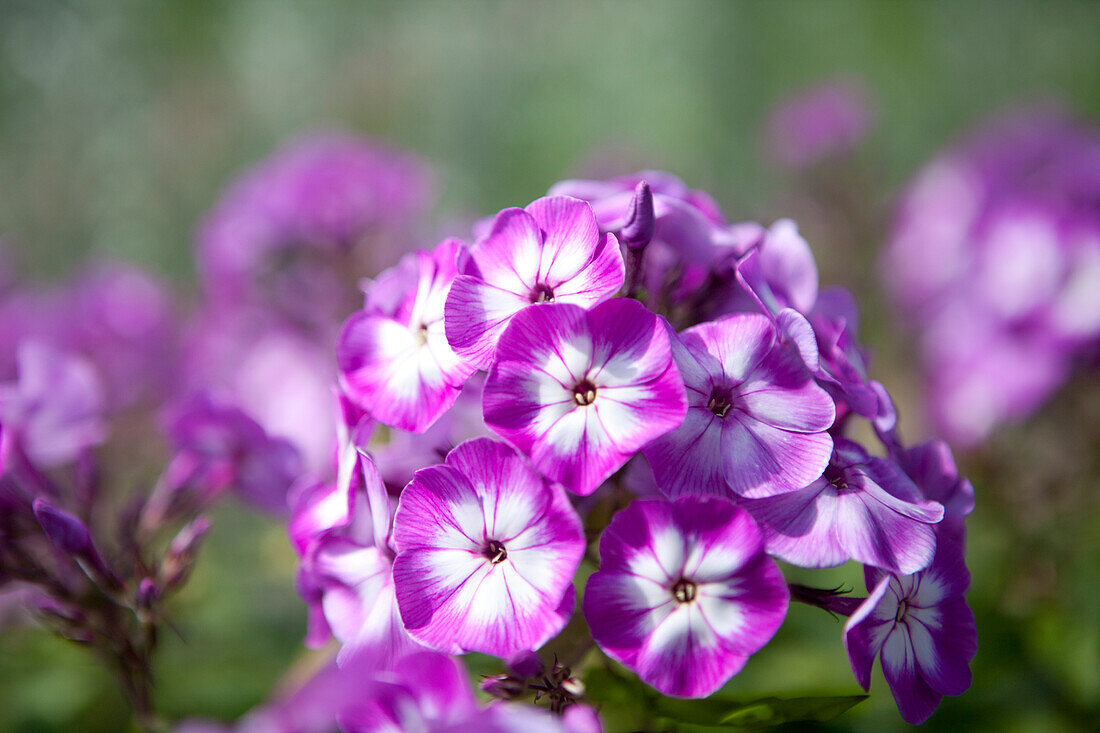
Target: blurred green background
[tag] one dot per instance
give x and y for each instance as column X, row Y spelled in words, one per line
column 120, row 123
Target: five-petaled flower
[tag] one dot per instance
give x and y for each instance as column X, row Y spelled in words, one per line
column 486, row 552
column 923, row 630
column 394, row 358
column 685, row 593
column 756, row 419
column 552, row 251
column 581, row 391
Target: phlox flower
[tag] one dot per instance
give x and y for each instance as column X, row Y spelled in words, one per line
column 863, row 508
column 342, row 531
column 581, row 391
column 486, row 552
column 932, row 467
column 685, row 593
column 551, row 251
column 756, row 421
column 394, row 358
column 921, row 628
column 690, row 235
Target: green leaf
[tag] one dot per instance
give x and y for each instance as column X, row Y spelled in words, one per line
column 625, row 693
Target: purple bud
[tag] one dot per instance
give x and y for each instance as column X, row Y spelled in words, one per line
column 637, row 232
column 65, row 530
column 525, row 664
column 833, row 600
column 181, row 552
column 503, row 686
column 148, row 593
column 72, row 536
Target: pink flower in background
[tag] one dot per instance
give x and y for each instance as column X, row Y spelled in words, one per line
column 486, row 552
column 995, row 262
column 685, row 593
column 394, row 358
column 552, row 251
column 581, row 391
column 55, row 409
column 921, row 628
column 285, row 234
column 824, row 121
column 756, row 419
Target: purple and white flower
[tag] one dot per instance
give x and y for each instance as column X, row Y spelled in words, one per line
column 486, row 552
column 347, row 568
column 756, row 421
column 581, row 391
column 551, row 251
column 394, row 358
column 685, row 593
column 921, row 628
column 863, row 508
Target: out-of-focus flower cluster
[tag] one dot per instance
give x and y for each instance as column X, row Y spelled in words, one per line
column 124, row 414
column 617, row 360
column 995, row 260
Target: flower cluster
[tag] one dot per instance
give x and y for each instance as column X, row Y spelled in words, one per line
column 618, row 358
column 994, row 259
column 279, row 258
column 124, row 417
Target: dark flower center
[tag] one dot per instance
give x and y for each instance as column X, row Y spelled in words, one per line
column 684, row 591
column 495, row 552
column 542, row 294
column 720, row 402
column 902, row 608
column 584, row 393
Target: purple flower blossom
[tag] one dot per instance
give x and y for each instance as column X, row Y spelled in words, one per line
column 922, row 629
column 285, row 234
column 552, row 251
column 995, row 260
column 54, row 410
column 487, row 550
column 863, row 508
column 580, row 391
column 690, row 236
column 826, row 120
column 248, row 358
column 218, row 447
column 685, row 593
column 117, row 316
column 342, row 531
column 932, row 468
column 756, row 420
column 394, row 358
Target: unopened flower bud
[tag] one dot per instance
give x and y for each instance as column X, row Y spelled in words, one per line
column 148, row 593
column 833, row 600
column 637, row 232
column 503, row 686
column 181, row 552
column 72, row 536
